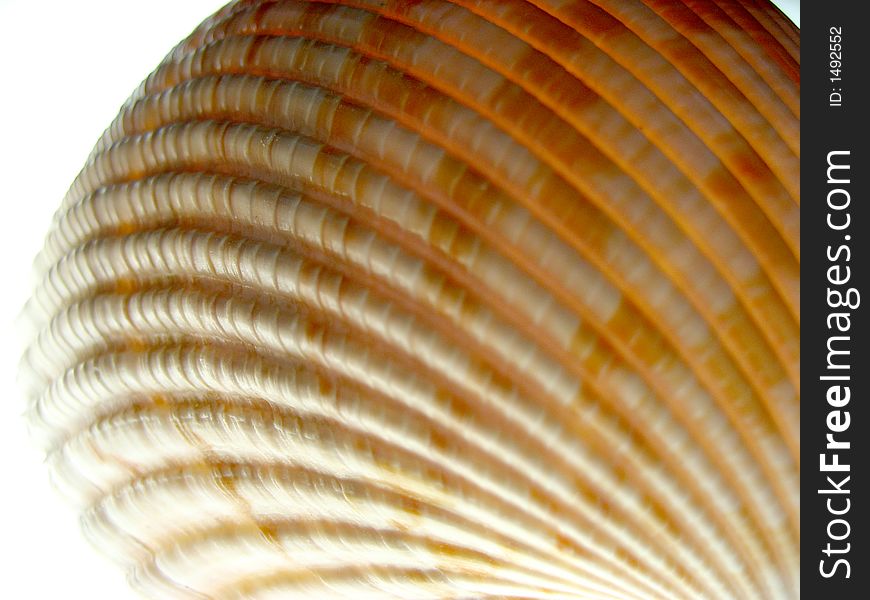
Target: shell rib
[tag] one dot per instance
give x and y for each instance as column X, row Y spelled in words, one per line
column 471, row 299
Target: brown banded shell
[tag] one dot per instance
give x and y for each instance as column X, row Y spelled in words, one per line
column 428, row 299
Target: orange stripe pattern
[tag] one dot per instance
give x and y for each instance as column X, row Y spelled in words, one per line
column 429, row 300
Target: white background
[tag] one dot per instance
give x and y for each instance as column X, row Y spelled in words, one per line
column 66, row 68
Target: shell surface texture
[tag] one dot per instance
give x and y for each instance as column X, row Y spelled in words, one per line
column 438, row 300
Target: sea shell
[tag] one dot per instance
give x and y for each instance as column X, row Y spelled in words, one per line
column 429, row 299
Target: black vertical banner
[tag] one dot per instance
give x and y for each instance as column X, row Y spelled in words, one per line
column 835, row 370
